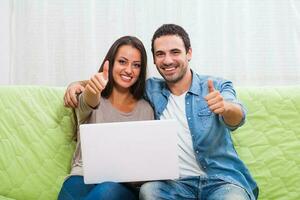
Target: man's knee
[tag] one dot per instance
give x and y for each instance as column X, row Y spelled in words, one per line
column 228, row 192
column 148, row 191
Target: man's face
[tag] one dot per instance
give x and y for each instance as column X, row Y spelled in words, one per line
column 171, row 58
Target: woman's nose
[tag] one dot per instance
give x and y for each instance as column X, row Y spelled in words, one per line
column 128, row 69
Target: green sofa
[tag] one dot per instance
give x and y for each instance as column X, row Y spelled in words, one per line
column 37, row 141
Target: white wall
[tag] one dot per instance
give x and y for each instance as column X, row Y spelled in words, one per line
column 54, row 42
column 4, row 42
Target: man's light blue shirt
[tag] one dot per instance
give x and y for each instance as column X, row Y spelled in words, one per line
column 212, row 143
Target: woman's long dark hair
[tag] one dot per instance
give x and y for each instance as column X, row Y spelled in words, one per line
column 137, row 90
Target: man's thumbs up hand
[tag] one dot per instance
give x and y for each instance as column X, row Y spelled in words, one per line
column 214, row 99
column 210, row 85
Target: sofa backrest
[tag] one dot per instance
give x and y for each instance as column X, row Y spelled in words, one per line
column 36, row 141
column 269, row 142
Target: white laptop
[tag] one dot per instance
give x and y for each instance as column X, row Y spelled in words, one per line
column 129, row 151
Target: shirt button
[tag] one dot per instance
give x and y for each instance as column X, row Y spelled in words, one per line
column 197, row 152
column 189, row 118
column 188, row 103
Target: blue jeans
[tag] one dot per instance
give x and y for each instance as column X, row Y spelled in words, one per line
column 192, row 188
column 75, row 189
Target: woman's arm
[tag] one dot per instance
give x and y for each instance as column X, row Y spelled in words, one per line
column 94, row 87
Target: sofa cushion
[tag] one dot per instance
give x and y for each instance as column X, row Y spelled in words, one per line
column 36, row 141
column 269, row 142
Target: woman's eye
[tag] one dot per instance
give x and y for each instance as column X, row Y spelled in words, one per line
column 122, row 62
column 137, row 65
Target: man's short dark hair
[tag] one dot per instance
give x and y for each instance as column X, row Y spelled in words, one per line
column 171, row 29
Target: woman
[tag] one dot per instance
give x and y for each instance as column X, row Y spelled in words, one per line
column 114, row 94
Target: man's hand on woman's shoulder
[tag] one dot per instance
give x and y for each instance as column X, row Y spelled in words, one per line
column 73, row 90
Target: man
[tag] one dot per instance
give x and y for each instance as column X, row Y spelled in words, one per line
column 207, row 110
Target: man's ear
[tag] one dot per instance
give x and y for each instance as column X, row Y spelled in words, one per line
column 189, row 54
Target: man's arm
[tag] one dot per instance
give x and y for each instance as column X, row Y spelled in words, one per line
column 73, row 90
column 231, row 112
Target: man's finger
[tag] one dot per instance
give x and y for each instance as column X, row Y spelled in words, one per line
column 106, row 70
column 65, row 102
column 214, row 98
column 73, row 98
column 216, row 106
column 219, row 110
column 69, row 102
column 210, row 85
column 79, row 89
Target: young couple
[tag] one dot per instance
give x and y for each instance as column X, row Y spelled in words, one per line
column 206, row 108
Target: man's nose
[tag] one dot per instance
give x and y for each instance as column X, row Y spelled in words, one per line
column 167, row 60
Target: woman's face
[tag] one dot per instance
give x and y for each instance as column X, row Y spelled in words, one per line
column 127, row 66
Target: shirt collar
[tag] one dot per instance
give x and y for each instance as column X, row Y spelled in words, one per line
column 165, row 91
column 196, row 84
